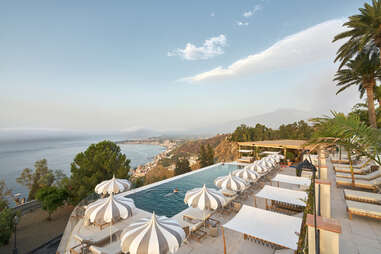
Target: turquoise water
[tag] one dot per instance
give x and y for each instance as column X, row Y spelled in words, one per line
column 163, row 201
column 15, row 155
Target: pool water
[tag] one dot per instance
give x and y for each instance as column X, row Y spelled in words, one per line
column 164, row 201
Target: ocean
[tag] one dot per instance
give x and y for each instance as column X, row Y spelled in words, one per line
column 15, row 155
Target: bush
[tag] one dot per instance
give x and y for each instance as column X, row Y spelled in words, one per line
column 51, row 198
column 6, row 225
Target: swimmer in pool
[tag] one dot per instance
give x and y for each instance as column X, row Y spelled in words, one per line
column 175, row 190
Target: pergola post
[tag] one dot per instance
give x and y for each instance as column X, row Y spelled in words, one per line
column 324, row 186
column 329, row 231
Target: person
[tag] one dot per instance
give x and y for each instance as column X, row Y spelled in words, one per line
column 175, row 190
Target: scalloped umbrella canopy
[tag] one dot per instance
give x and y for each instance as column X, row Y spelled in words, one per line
column 156, row 235
column 114, row 185
column 261, row 169
column 230, row 182
column 205, row 198
column 109, row 209
column 246, row 174
column 267, row 164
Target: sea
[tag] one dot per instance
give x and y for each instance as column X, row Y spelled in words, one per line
column 17, row 154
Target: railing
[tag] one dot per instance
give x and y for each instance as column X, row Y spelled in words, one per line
column 303, row 243
column 27, row 207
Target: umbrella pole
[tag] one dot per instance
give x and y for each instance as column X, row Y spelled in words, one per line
column 223, row 237
column 110, row 232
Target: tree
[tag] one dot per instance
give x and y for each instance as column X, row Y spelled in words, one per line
column 42, row 176
column 351, row 133
column 364, row 32
column 182, row 166
column 362, row 71
column 202, row 157
column 98, row 163
column 210, row 155
column 6, row 215
column 51, row 198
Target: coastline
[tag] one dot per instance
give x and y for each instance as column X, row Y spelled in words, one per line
column 143, row 169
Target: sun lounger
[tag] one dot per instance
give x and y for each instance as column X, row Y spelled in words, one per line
column 97, row 238
column 362, row 184
column 192, row 227
column 368, row 177
column 113, row 248
column 357, row 171
column 361, row 164
column 363, row 209
column 302, row 181
column 197, row 214
column 363, row 196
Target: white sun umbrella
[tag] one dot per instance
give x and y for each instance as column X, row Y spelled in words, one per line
column 246, row 174
column 230, row 182
column 205, row 199
column 260, row 168
column 109, row 210
column 267, row 164
column 114, row 185
column 156, row 235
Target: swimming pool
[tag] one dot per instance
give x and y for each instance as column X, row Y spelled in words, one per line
column 161, row 198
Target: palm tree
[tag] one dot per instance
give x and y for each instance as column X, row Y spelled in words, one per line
column 362, row 71
column 348, row 132
column 364, row 31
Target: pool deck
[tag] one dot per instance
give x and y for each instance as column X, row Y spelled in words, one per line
column 360, row 235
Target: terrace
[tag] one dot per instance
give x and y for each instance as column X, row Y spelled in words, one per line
column 360, row 235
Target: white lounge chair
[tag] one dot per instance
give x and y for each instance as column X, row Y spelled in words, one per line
column 357, row 171
column 97, row 238
column 362, row 184
column 113, row 248
column 368, row 177
column 362, row 196
column 363, row 209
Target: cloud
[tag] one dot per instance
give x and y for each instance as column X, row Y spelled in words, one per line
column 309, row 45
column 212, row 14
column 239, row 23
column 250, row 13
column 212, row 47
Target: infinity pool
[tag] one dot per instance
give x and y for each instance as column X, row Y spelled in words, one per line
column 164, row 201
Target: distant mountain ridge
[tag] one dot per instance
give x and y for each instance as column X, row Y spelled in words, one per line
column 272, row 119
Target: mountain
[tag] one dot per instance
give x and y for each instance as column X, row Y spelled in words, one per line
column 272, row 119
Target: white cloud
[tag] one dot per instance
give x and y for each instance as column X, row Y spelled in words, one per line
column 212, row 47
column 250, row 13
column 212, row 14
column 239, row 23
column 309, row 45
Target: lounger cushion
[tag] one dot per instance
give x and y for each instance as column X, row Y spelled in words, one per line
column 370, row 197
column 364, row 208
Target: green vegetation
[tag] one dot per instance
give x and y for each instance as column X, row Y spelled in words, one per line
column 51, row 198
column 297, row 130
column 348, row 132
column 363, row 39
column 362, row 71
column 98, row 163
column 182, row 166
column 206, row 156
column 6, row 215
column 41, row 177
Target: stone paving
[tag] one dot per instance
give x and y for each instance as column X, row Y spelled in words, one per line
column 361, row 235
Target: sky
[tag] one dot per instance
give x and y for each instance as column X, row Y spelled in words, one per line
column 166, row 65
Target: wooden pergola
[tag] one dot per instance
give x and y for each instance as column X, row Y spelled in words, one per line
column 249, row 150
